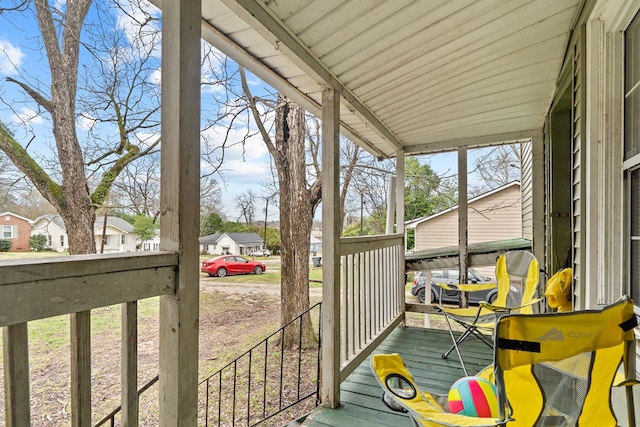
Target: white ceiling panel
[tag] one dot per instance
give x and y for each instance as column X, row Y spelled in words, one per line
column 417, row 75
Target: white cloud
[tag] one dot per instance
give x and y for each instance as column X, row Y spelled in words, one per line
column 85, row 122
column 27, row 115
column 10, row 58
column 156, row 76
column 140, row 31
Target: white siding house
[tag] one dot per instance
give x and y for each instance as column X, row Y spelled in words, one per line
column 118, row 235
column 233, row 243
column 496, row 215
column 52, row 226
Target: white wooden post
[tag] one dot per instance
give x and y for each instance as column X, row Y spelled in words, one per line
column 180, row 208
column 400, row 225
column 330, row 355
column 391, row 205
column 463, row 216
column 537, row 190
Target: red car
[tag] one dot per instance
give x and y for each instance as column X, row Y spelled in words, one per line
column 231, row 264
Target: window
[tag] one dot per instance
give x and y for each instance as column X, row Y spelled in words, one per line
column 123, row 239
column 632, row 152
column 62, row 240
column 8, row 232
column 49, row 240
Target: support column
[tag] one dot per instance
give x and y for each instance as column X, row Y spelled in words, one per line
column 463, row 221
column 330, row 355
column 179, row 204
column 400, row 225
column 537, row 202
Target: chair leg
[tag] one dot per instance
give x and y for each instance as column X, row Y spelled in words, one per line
column 631, row 412
column 455, row 345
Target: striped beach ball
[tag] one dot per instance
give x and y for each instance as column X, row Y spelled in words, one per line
column 473, row 397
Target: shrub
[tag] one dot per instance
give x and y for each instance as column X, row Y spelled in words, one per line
column 38, row 242
column 5, row 245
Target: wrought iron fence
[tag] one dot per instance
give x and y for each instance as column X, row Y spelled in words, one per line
column 269, row 382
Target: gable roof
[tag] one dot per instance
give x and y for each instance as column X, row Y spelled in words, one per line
column 52, row 218
column 414, row 223
column 247, row 239
column 115, row 222
column 17, row 216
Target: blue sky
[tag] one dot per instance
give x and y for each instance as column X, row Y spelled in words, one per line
column 245, row 167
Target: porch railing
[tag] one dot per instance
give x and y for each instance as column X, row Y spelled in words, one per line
column 372, row 294
column 267, row 382
column 41, row 288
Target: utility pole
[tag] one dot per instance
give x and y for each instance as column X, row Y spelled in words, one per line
column 361, row 212
column 266, row 208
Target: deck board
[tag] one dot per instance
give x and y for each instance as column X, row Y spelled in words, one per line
column 421, row 350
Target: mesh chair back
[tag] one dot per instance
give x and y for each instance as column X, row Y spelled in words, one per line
column 518, row 275
column 567, row 362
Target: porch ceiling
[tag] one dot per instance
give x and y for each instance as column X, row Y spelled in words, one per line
column 418, row 75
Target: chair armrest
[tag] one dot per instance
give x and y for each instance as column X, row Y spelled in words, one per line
column 499, row 308
column 467, row 287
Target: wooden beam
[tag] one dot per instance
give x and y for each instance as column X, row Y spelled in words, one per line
column 16, row 376
column 261, row 20
column 180, row 210
column 43, row 298
column 51, row 269
column 330, row 350
column 357, row 244
column 479, row 141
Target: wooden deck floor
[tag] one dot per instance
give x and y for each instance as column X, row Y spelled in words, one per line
column 421, row 350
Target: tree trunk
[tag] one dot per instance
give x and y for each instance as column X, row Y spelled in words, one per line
column 296, row 219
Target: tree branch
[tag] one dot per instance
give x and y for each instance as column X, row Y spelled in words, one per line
column 51, row 190
column 35, row 95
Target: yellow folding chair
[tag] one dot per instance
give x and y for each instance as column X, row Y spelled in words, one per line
column 517, row 278
column 552, row 369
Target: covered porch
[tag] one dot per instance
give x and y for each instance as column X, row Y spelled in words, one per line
column 399, row 78
column 421, row 349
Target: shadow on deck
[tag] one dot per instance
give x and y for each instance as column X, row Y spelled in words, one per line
column 421, row 350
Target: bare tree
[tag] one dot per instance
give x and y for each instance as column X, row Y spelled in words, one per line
column 113, row 89
column 246, row 202
column 351, row 156
column 137, row 189
column 287, row 149
column 496, row 167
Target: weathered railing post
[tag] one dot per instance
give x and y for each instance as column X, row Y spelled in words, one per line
column 330, row 356
column 179, row 207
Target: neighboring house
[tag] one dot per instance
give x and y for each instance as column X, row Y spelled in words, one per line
column 233, row 243
column 52, row 226
column 316, row 244
column 496, row 215
column 118, row 235
column 153, row 244
column 17, row 229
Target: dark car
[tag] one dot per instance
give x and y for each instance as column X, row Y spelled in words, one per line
column 451, row 276
column 231, row 264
